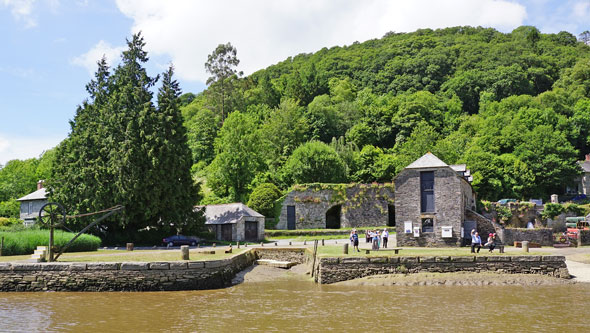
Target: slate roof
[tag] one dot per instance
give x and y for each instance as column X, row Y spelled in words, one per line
column 459, row 167
column 228, row 213
column 429, row 160
column 37, row 195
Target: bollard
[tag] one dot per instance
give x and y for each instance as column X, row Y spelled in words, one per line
column 262, row 244
column 579, row 238
column 304, row 242
column 238, row 245
column 184, row 251
column 198, row 245
column 246, row 245
column 289, row 243
column 214, row 244
column 276, row 244
column 345, row 248
column 335, row 242
column 322, row 242
column 525, row 246
column 129, row 246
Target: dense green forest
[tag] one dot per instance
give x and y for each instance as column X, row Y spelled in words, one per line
column 515, row 107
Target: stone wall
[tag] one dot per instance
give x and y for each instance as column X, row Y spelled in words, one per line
column 297, row 255
column 543, row 236
column 585, row 234
column 362, row 205
column 449, row 207
column 331, row 270
column 126, row 276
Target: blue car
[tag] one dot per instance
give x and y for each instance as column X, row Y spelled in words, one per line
column 180, row 240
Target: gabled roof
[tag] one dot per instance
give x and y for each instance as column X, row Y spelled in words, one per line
column 228, row 213
column 427, row 161
column 459, row 167
column 37, row 195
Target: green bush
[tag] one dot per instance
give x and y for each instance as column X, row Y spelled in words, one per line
column 551, row 210
column 9, row 221
column 574, row 208
column 25, row 241
column 10, row 208
column 263, row 197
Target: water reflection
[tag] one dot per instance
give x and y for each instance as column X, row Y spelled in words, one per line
column 293, row 305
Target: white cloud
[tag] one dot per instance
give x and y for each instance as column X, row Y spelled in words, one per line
column 90, row 58
column 14, row 147
column 22, row 10
column 267, row 31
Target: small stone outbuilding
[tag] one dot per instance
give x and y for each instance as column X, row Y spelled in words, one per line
column 234, row 222
column 434, row 203
column 583, row 181
column 31, row 204
column 334, row 206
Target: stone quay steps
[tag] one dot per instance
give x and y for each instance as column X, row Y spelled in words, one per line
column 39, row 254
column 276, row 263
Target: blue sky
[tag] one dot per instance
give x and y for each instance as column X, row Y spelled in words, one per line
column 50, row 47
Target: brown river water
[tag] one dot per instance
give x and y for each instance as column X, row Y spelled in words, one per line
column 302, row 306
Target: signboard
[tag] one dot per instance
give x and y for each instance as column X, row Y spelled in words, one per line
column 408, row 227
column 416, row 231
column 447, row 232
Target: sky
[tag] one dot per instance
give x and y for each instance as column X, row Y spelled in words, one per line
column 49, row 48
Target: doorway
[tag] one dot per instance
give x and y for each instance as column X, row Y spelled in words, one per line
column 333, row 217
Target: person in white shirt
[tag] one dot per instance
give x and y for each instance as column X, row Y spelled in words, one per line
column 385, row 237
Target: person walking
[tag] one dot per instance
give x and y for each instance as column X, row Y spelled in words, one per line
column 375, row 240
column 475, row 241
column 368, row 237
column 385, row 237
column 355, row 241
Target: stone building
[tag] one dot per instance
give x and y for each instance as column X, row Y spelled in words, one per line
column 333, row 206
column 234, row 222
column 31, row 204
column 583, row 181
column 434, row 203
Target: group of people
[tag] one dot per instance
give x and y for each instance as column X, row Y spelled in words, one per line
column 476, row 241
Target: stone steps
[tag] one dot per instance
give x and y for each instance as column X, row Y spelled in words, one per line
column 276, row 263
column 39, row 254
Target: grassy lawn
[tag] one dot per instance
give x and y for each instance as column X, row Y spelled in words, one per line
column 271, row 233
column 336, row 251
column 308, row 238
column 580, row 257
column 137, row 255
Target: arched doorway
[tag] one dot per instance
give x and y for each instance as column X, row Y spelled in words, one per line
column 391, row 215
column 333, row 217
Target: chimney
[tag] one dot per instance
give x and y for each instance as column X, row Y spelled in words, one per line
column 40, row 184
column 587, row 157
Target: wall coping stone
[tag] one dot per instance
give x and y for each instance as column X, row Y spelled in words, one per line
column 378, row 259
column 408, row 260
column 526, row 258
column 393, row 260
column 159, row 265
column 330, row 261
column 103, row 266
column 77, row 266
column 499, row 258
column 196, row 264
column 134, row 266
column 443, row 259
column 463, row 259
column 5, row 266
column 428, row 259
column 553, row 258
column 481, row 259
column 354, row 260
column 178, row 265
column 26, row 267
column 55, row 266
column 215, row 263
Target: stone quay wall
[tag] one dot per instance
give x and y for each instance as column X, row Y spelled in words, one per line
column 543, row 236
column 125, row 276
column 331, row 270
column 297, row 255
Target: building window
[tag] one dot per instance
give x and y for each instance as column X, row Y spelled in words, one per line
column 428, row 224
column 30, row 208
column 427, row 191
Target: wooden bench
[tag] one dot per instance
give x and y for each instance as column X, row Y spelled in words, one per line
column 499, row 247
column 531, row 244
column 395, row 249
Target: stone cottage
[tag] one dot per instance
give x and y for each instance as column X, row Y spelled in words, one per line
column 434, row 203
column 583, row 181
column 334, row 206
column 31, row 204
column 234, row 222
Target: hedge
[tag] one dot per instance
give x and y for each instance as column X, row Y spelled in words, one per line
column 26, row 241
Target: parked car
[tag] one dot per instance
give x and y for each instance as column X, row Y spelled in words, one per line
column 180, row 240
column 505, row 201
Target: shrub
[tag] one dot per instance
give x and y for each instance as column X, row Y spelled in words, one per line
column 9, row 221
column 10, row 208
column 504, row 213
column 551, row 210
column 263, row 197
column 574, row 208
column 25, row 241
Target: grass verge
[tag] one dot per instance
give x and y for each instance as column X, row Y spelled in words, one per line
column 336, row 251
column 25, row 241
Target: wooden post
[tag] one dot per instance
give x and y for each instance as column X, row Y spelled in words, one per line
column 276, row 244
column 525, row 246
column 1, row 245
column 184, row 251
column 322, row 242
column 262, row 244
column 50, row 249
column 305, row 242
column 579, row 238
column 345, row 248
column 238, row 244
column 315, row 253
column 214, row 244
column 129, row 246
column 289, row 243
